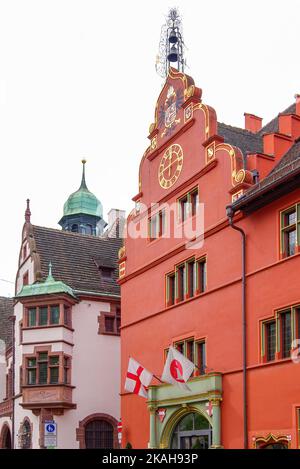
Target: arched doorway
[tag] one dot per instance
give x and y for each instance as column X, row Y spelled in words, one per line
column 99, row 434
column 193, row 431
column 5, row 440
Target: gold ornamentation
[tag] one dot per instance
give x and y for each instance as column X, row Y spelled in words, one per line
column 170, row 166
column 151, row 128
column 188, row 113
column 153, row 143
column 210, row 153
column 121, row 252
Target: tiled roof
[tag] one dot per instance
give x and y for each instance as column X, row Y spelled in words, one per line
column 286, row 169
column 250, row 141
column 273, row 125
column 241, row 138
column 6, row 310
column 76, row 259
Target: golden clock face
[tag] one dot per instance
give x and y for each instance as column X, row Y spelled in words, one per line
column 170, row 166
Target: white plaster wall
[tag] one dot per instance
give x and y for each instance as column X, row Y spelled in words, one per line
column 49, row 333
column 95, row 372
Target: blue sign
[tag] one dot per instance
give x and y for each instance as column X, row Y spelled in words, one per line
column 50, row 428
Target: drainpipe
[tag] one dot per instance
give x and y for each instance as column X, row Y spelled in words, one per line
column 230, row 214
column 13, row 318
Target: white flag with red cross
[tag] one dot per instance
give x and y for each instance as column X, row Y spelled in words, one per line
column 177, row 369
column 137, row 378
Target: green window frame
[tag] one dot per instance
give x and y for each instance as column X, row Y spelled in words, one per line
column 31, row 317
column 290, row 230
column 157, row 225
column 189, row 279
column 187, row 204
column 287, row 328
column 195, row 351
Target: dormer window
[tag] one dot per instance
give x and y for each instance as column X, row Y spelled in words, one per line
column 106, row 272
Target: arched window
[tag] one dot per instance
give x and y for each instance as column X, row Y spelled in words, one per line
column 25, row 435
column 74, row 228
column 5, row 437
column 99, row 434
column 192, row 432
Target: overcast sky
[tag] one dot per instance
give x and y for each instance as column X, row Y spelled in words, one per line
column 77, row 79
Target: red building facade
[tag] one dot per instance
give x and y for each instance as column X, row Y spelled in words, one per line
column 183, row 282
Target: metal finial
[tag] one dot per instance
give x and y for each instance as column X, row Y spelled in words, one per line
column 50, row 276
column 83, row 183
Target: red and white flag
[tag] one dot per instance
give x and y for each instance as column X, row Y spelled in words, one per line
column 177, row 369
column 137, row 378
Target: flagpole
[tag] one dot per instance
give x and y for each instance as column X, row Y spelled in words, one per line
column 158, row 379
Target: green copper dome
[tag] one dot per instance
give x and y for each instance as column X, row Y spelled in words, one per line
column 83, row 201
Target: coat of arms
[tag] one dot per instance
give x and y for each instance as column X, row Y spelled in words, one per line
column 168, row 111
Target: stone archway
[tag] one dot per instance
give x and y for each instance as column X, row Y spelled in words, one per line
column 97, row 417
column 173, row 421
column 5, row 437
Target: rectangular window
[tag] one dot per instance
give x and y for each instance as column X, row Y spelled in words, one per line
column 181, row 282
column 191, row 278
column 286, row 333
column 54, row 369
column 297, row 332
column 26, row 278
column 195, row 352
column 67, row 315
column 31, row 371
column 190, row 350
column 188, row 204
column 157, row 225
column 109, row 324
column 183, row 208
column 66, row 370
column 200, row 357
column 202, row 275
column 54, row 314
column 32, row 317
column 170, row 289
column 270, row 340
column 180, row 347
column 43, row 316
column 289, row 225
column 43, row 367
column 194, row 201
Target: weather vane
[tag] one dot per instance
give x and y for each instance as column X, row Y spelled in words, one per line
column 171, row 45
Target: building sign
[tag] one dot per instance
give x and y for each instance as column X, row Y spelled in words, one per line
column 50, row 434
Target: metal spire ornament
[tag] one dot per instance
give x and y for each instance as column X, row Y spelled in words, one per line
column 171, row 45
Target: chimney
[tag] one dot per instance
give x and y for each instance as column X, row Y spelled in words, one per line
column 252, row 122
column 116, row 221
column 297, row 97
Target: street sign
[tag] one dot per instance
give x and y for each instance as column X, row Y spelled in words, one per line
column 50, row 433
